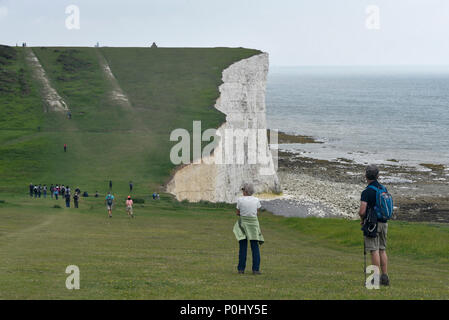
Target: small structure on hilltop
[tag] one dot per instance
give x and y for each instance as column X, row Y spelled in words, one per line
column 97, row 45
column 154, row 45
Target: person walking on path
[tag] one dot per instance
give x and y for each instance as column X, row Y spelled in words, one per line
column 39, row 191
column 247, row 228
column 56, row 193
column 109, row 201
column 129, row 207
column 45, row 191
column 52, row 190
column 75, row 199
column 35, row 191
column 67, row 199
column 376, row 246
column 65, row 147
column 110, row 184
column 130, row 186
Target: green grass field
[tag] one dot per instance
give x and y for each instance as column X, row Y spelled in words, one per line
column 186, row 251
column 171, row 250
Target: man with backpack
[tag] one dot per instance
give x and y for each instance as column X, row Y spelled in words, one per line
column 109, row 203
column 376, row 208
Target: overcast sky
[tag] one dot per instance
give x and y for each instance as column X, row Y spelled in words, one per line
column 293, row 32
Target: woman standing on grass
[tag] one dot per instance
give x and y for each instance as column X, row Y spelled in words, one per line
column 247, row 228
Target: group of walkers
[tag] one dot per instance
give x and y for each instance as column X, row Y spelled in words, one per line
column 37, row 191
column 110, row 202
column 376, row 207
column 56, row 191
column 65, row 193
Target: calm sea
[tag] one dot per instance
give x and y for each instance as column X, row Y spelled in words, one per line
column 370, row 114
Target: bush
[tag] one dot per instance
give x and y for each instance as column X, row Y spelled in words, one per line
column 57, row 206
column 2, row 201
column 138, row 200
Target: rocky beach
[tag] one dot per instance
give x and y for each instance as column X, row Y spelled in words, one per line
column 326, row 188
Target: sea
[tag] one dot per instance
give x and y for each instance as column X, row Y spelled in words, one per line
column 393, row 115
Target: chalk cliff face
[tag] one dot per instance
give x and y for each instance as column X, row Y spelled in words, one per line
column 242, row 100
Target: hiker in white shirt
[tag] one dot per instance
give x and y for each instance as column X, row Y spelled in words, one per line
column 247, row 228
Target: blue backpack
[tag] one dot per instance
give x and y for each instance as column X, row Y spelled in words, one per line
column 384, row 203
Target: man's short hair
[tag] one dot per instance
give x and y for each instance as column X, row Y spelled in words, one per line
column 248, row 188
column 372, row 172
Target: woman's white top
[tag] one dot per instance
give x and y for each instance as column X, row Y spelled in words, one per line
column 248, row 206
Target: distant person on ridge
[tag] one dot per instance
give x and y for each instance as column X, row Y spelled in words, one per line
column 247, row 228
column 110, row 184
column 109, row 200
column 65, row 147
column 130, row 186
column 375, row 243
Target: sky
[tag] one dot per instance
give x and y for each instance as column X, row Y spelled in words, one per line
column 293, row 32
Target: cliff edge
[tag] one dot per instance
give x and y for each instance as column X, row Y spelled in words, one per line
column 242, row 100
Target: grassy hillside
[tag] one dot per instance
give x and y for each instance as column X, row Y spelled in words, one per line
column 168, row 88
column 187, row 251
column 21, row 144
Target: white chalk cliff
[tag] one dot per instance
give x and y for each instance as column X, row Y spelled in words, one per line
column 242, row 100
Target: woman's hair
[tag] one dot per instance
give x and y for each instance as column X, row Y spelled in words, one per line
column 372, row 172
column 248, row 188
